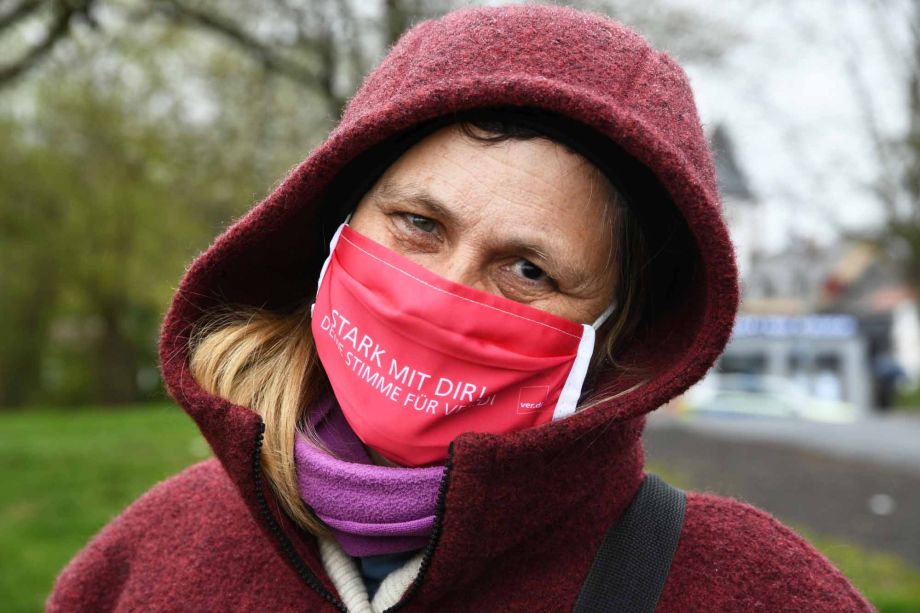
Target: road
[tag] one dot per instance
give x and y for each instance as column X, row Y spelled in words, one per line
column 891, row 440
column 858, row 482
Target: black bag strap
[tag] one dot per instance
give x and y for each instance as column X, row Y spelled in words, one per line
column 633, row 561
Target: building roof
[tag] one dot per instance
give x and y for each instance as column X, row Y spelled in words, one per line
column 731, row 179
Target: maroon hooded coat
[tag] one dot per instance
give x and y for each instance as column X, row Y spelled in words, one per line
column 521, row 515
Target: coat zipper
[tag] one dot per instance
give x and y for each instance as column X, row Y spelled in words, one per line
column 435, row 535
column 286, row 545
column 301, row 567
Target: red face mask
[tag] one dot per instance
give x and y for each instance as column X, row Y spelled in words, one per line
column 415, row 359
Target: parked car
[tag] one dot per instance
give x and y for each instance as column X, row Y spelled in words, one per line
column 760, row 395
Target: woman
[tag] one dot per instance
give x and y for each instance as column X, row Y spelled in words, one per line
column 424, row 361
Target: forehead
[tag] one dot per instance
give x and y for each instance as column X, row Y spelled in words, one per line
column 533, row 181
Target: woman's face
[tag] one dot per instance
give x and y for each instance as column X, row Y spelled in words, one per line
column 523, row 219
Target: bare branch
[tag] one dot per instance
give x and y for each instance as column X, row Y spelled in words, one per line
column 232, row 33
column 64, row 12
column 326, row 32
column 23, row 10
column 355, row 54
column 887, row 188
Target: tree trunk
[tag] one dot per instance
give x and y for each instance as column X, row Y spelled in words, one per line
column 116, row 362
column 21, row 360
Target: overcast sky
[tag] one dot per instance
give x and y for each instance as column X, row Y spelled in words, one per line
column 787, row 97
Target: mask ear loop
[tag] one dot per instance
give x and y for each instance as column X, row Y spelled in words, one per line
column 332, row 244
column 571, row 389
column 603, row 316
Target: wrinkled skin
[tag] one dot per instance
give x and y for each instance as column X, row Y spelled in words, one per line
column 487, row 215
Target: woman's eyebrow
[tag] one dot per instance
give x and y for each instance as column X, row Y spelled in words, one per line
column 390, row 192
column 558, row 267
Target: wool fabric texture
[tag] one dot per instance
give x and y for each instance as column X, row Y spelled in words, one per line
column 372, row 510
column 519, row 516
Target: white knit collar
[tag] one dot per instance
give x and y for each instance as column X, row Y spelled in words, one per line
column 347, row 579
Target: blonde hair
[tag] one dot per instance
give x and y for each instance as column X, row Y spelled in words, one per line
column 266, row 361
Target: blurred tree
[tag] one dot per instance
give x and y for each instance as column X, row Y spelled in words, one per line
column 133, row 131
column 903, row 162
column 91, row 211
column 112, row 177
column 314, row 44
column 897, row 188
column 29, row 278
column 323, row 45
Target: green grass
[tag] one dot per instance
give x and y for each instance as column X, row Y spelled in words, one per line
column 64, row 474
column 908, row 400
column 890, row 584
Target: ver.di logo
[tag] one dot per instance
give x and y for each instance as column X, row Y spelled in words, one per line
column 532, row 399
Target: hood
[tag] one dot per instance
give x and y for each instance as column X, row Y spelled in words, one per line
column 581, row 65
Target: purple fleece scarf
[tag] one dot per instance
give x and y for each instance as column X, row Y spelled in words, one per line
column 371, row 509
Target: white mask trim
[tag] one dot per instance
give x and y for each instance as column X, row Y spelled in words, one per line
column 332, row 243
column 571, row 391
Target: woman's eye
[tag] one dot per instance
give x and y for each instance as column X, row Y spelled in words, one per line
column 530, row 271
column 422, row 223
